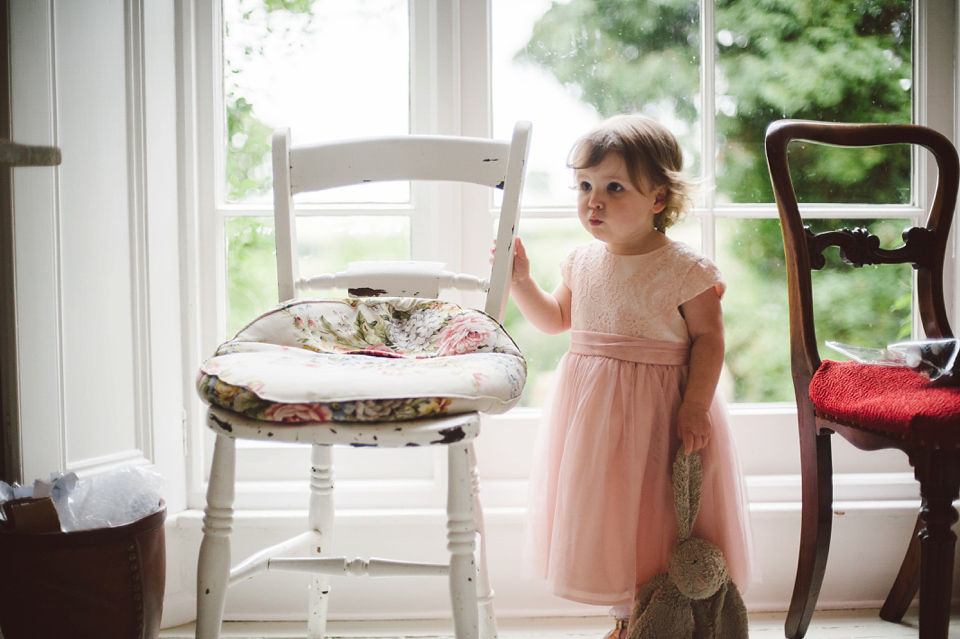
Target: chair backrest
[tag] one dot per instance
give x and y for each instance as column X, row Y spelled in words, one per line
column 493, row 163
column 924, row 246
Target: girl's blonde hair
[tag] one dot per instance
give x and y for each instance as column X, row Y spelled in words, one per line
column 650, row 151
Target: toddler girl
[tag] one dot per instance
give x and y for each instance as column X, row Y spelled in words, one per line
column 639, row 380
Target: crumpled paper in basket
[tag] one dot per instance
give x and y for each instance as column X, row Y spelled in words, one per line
column 113, row 498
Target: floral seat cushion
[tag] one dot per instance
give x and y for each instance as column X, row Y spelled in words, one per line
column 365, row 360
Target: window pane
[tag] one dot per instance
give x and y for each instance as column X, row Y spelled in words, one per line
column 329, row 244
column 828, row 61
column 526, row 90
column 869, row 306
column 874, row 175
column 325, row 69
column 564, row 65
column 326, row 245
column 251, row 269
column 689, row 231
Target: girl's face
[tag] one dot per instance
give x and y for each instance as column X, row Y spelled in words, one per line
column 615, row 211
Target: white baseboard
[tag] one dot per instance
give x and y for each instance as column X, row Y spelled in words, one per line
column 869, row 539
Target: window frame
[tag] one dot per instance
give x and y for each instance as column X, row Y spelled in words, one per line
column 451, row 94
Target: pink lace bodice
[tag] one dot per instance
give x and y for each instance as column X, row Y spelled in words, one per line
column 636, row 295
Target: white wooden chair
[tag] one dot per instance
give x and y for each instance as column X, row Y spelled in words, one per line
column 324, row 372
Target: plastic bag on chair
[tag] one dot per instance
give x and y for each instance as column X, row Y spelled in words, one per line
column 936, row 358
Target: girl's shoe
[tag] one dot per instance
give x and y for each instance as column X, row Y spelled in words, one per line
column 619, row 631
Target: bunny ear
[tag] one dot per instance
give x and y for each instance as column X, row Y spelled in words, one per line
column 696, row 485
column 681, row 494
column 687, row 484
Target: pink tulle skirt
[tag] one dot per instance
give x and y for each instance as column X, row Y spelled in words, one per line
column 601, row 514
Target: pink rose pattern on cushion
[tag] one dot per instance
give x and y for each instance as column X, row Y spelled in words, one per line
column 298, row 413
column 465, row 333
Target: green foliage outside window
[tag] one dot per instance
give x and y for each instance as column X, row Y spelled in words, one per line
column 248, row 147
column 251, row 276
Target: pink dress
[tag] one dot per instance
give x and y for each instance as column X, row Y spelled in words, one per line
column 601, row 501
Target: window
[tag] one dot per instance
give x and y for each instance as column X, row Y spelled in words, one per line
column 475, row 67
column 566, row 65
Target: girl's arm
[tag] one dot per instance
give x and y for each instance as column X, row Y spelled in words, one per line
column 705, row 324
column 549, row 313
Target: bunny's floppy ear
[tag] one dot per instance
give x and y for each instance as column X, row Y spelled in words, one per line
column 687, row 485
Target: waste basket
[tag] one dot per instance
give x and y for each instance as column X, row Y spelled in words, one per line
column 103, row 582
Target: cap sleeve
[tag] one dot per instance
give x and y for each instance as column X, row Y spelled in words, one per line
column 702, row 275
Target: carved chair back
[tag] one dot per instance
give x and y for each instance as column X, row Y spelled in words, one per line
column 924, row 246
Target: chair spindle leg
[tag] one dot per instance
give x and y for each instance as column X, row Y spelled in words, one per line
column 488, row 620
column 461, row 542
column 213, row 567
column 321, row 520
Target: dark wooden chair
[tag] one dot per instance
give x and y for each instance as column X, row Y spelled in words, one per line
column 895, row 407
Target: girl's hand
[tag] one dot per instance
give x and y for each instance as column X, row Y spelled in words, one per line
column 693, row 426
column 549, row 313
column 521, row 264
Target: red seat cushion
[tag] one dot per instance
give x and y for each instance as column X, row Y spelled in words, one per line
column 895, row 401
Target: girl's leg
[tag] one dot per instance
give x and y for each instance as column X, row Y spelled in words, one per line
column 620, row 630
column 622, row 615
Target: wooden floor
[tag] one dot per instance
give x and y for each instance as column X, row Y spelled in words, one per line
column 827, row 624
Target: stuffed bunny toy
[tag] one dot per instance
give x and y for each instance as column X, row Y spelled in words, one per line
column 695, row 598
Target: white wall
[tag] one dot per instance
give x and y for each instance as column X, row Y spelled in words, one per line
column 96, row 238
column 857, row 574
